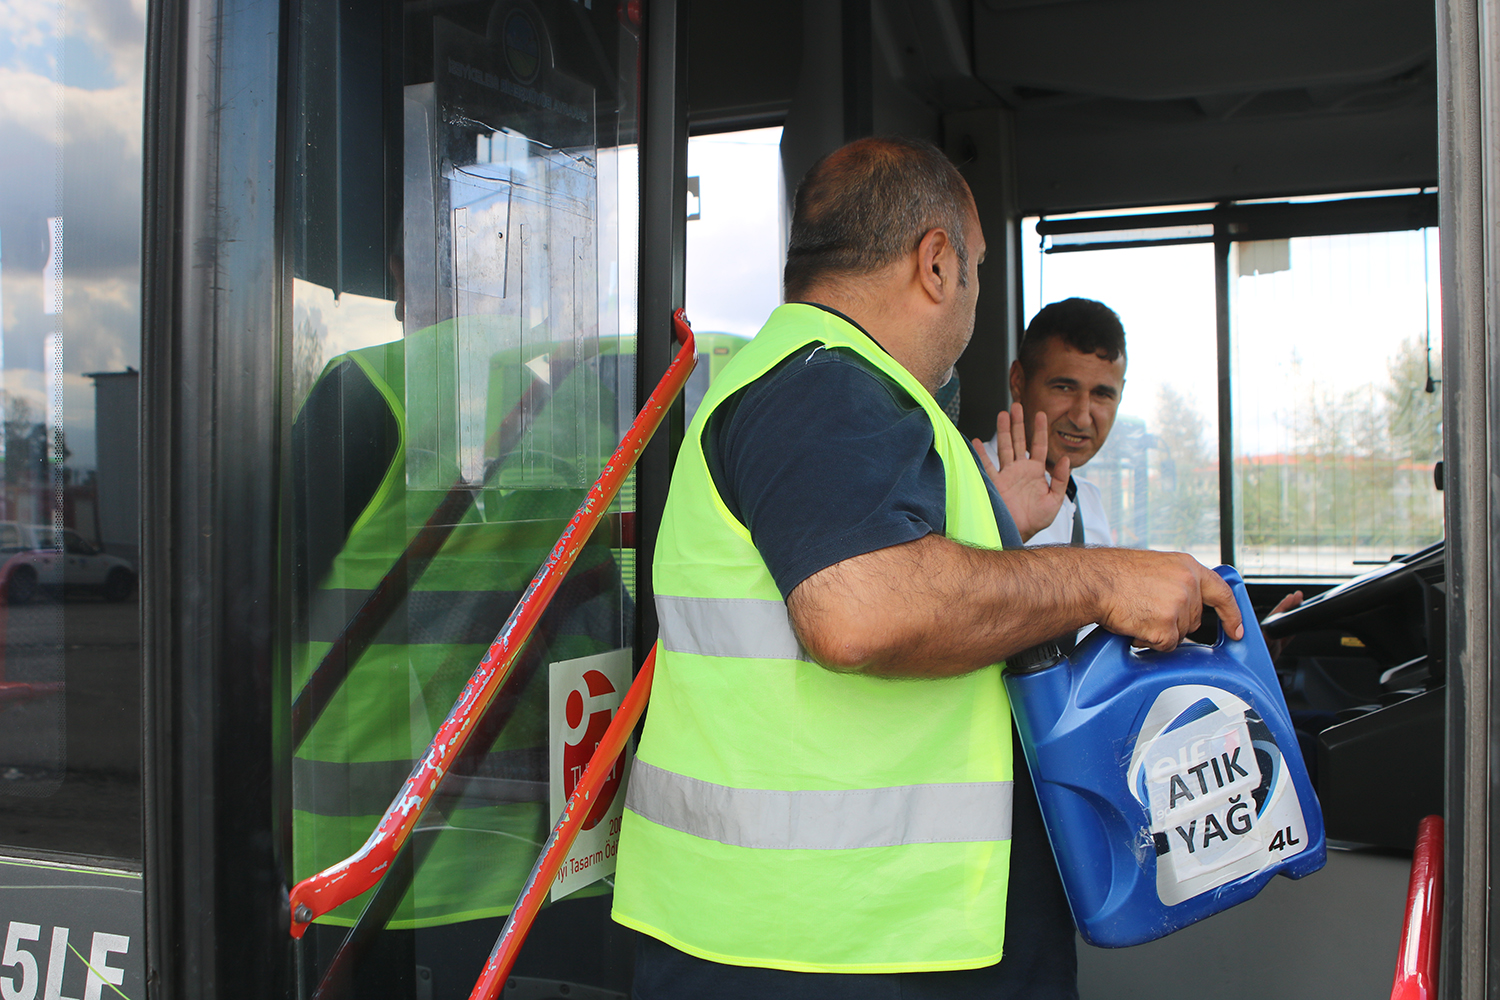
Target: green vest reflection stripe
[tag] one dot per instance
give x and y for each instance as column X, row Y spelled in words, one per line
column 379, row 723
column 784, row 815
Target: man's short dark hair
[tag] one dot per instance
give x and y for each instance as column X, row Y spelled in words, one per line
column 1083, row 324
column 868, row 204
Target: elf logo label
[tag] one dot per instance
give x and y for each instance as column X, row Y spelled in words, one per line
column 588, row 710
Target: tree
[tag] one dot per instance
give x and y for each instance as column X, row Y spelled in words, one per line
column 1359, row 473
column 1184, row 494
column 25, row 443
column 1414, row 413
column 309, row 336
column 1414, row 405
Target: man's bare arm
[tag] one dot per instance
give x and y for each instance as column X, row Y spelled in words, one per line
column 936, row 608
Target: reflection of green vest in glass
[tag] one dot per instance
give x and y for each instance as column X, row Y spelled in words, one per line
column 355, row 758
column 786, row 816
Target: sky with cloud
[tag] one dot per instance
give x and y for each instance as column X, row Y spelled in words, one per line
column 71, row 83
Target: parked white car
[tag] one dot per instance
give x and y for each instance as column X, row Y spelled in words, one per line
column 33, row 564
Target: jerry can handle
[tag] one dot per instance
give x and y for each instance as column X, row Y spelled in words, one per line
column 1210, row 632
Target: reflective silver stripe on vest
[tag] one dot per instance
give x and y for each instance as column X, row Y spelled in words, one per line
column 738, row 627
column 824, row 820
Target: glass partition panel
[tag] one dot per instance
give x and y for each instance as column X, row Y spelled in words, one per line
column 463, row 205
column 71, row 84
column 1337, row 414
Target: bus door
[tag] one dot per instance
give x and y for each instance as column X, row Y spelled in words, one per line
column 462, row 341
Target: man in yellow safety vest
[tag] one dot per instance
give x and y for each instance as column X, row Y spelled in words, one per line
column 825, row 800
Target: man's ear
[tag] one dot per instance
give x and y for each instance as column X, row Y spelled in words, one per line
column 937, row 264
column 1017, row 380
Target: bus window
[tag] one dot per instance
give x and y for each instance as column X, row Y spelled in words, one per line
column 70, row 668
column 70, row 629
column 735, row 244
column 1327, row 355
column 1337, row 416
column 736, row 234
column 1157, row 472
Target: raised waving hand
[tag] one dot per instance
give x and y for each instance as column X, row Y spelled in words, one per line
column 1021, row 477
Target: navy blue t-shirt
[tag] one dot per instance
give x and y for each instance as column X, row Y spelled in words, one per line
column 825, row 458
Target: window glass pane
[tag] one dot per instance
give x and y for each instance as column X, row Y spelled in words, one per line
column 1158, row 470
column 736, row 244
column 1336, row 432
column 736, row 234
column 464, row 306
column 70, row 103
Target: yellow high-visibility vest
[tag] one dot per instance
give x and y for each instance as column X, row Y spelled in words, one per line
column 783, row 815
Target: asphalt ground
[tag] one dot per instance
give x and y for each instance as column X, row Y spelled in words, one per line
column 70, row 760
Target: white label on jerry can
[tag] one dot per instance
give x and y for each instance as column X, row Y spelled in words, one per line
column 1219, row 801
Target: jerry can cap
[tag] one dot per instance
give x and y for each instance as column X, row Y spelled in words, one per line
column 1036, row 659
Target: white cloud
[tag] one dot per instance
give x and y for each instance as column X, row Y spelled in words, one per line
column 114, row 29
column 30, row 23
column 351, row 322
column 100, row 322
column 28, row 101
column 113, row 33
column 101, row 177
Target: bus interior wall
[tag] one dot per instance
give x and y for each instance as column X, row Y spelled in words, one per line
column 1060, row 107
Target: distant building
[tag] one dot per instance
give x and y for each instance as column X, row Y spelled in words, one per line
column 117, row 425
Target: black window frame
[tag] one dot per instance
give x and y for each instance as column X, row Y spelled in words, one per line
column 1239, row 222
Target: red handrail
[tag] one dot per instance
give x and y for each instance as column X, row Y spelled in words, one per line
column 332, row 887
column 1422, row 934
column 518, row 923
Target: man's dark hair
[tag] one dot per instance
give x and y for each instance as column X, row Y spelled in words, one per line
column 1083, row 324
column 870, row 203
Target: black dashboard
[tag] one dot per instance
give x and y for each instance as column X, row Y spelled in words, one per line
column 1363, row 667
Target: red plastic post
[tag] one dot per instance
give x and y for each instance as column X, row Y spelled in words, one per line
column 332, row 887
column 518, row 923
column 1421, row 935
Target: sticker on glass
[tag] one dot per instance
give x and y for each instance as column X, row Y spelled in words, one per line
column 584, row 695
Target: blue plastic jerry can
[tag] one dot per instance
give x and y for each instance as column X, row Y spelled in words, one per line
column 1171, row 784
